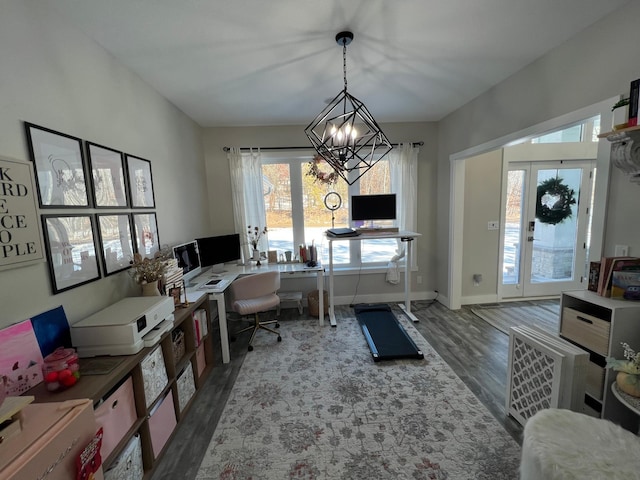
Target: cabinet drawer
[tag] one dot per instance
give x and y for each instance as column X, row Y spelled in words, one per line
column 186, row 387
column 162, row 421
column 154, row 375
column 586, row 330
column 116, row 415
column 595, row 380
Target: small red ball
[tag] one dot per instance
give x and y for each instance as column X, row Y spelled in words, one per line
column 51, row 377
column 68, row 381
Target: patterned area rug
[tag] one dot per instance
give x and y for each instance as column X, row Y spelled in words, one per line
column 544, row 314
column 316, row 406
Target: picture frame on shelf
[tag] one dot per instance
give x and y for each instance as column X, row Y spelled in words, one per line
column 107, row 176
column 116, row 241
column 61, row 175
column 70, row 243
column 145, row 228
column 140, row 182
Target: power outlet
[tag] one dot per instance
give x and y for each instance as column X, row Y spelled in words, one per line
column 493, row 225
column 419, row 279
column 622, row 250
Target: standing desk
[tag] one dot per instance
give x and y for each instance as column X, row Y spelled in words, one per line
column 406, row 237
column 216, row 292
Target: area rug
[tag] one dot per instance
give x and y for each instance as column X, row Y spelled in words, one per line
column 544, row 314
column 316, row 406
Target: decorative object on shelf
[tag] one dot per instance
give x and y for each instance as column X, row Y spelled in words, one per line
column 620, row 115
column 553, row 201
column 333, row 201
column 625, row 151
column 149, row 271
column 319, row 175
column 628, row 378
column 344, row 133
column 254, row 234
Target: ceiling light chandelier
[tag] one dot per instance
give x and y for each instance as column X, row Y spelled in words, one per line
column 345, row 134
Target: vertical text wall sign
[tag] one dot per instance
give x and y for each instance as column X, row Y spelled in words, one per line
column 20, row 235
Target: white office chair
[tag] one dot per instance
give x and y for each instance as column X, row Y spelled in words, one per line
column 254, row 294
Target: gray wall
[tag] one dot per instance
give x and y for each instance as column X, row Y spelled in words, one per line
column 54, row 76
column 594, row 65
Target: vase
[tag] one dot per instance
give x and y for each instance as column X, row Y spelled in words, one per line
column 620, row 118
column 629, row 383
column 150, row 289
column 256, row 255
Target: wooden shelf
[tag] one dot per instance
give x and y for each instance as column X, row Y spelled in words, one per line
column 616, row 132
column 98, row 387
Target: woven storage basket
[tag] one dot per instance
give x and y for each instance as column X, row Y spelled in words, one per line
column 178, row 345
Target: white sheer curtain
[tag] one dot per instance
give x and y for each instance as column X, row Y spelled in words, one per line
column 403, row 163
column 246, row 192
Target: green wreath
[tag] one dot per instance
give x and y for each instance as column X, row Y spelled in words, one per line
column 561, row 208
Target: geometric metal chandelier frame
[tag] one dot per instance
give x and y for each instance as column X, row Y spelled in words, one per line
column 344, row 133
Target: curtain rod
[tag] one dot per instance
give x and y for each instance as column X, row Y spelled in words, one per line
column 310, row 147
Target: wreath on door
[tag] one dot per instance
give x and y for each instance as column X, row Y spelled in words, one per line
column 553, row 201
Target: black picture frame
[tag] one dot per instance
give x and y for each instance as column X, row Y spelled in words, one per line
column 108, row 178
column 71, row 248
column 145, row 228
column 141, row 193
column 59, row 163
column 116, row 241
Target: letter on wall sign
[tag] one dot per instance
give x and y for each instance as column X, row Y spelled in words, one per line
column 20, row 231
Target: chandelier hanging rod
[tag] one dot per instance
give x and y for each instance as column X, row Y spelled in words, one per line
column 267, row 149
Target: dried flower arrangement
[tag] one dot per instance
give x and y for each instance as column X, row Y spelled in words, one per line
column 254, row 234
column 631, row 363
column 147, row 270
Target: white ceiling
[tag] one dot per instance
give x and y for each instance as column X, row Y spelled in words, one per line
column 276, row 62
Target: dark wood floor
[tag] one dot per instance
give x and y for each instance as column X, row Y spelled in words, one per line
column 476, row 351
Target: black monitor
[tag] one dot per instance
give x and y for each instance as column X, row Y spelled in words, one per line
column 373, row 207
column 216, row 251
column 188, row 259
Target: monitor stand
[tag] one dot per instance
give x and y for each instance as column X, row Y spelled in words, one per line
column 218, row 268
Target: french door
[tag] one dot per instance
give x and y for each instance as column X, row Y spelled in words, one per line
column 546, row 228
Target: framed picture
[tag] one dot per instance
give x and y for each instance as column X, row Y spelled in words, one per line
column 147, row 241
column 140, row 182
column 107, row 176
column 70, row 243
column 61, row 177
column 176, row 292
column 116, row 241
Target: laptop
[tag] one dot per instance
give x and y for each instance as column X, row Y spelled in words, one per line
column 342, row 232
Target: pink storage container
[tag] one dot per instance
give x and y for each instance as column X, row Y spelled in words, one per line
column 162, row 421
column 200, row 360
column 116, row 415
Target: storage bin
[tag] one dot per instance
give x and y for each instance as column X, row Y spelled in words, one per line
column 586, row 330
column 162, row 421
column 186, row 387
column 201, row 361
column 154, row 375
column 313, row 300
column 177, row 342
column 595, row 380
column 129, row 465
column 116, row 415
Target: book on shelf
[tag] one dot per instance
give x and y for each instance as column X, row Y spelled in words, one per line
column 634, row 98
column 594, row 276
column 625, row 285
column 614, row 264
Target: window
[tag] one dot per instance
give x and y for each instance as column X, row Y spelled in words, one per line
column 296, row 213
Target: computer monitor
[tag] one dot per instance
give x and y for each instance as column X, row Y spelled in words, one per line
column 218, row 250
column 373, row 207
column 188, row 259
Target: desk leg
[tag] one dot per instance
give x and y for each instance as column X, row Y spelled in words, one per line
column 407, row 282
column 321, row 304
column 222, row 321
column 332, row 313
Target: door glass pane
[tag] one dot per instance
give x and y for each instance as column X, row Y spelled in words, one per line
column 277, row 202
column 513, row 227
column 554, row 245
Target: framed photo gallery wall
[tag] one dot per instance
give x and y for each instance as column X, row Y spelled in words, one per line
column 98, row 201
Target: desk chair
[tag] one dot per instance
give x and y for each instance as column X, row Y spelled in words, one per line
column 254, row 294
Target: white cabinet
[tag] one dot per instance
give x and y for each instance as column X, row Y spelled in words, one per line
column 599, row 325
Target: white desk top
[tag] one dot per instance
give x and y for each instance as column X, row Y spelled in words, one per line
column 234, row 271
column 376, row 235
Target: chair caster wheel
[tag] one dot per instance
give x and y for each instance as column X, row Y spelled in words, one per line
column 251, row 348
column 279, row 338
column 277, row 325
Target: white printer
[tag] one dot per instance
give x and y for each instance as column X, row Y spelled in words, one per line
column 124, row 328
